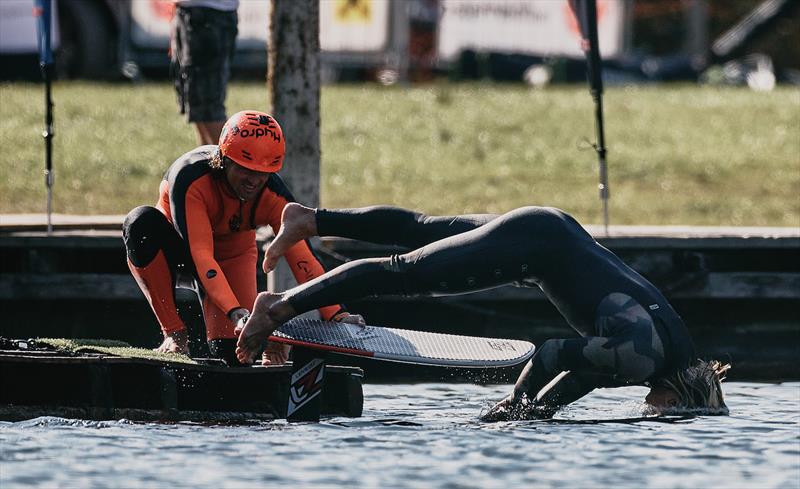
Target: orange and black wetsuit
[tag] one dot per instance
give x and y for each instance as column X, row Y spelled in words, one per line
column 202, row 235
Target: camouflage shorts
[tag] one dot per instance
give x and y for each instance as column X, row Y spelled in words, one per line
column 202, row 45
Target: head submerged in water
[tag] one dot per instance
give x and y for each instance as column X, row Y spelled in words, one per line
column 697, row 388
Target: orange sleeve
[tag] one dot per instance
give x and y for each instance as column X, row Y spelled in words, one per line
column 201, row 246
column 304, row 264
column 305, row 267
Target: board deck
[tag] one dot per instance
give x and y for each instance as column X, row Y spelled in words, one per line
column 401, row 345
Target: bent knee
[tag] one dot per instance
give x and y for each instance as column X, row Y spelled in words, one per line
column 144, row 232
column 142, row 217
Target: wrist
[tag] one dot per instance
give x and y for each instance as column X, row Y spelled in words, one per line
column 237, row 312
column 175, row 332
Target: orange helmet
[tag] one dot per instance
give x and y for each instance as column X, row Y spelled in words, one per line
column 253, row 140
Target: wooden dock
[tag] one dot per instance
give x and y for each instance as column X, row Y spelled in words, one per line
column 101, row 386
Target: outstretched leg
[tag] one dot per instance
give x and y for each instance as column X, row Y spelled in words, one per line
column 394, row 225
column 502, row 251
column 377, row 224
column 509, row 248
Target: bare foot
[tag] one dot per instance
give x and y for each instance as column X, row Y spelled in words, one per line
column 175, row 342
column 253, row 335
column 276, row 353
column 297, row 223
column 269, row 312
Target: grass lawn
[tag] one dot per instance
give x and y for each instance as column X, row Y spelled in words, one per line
column 678, row 154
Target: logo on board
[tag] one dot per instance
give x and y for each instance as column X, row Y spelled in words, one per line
column 501, row 345
column 306, row 384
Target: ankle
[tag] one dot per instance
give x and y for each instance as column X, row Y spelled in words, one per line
column 311, row 224
column 306, row 218
column 281, row 311
column 303, row 218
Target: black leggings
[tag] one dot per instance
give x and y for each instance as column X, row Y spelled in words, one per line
column 457, row 254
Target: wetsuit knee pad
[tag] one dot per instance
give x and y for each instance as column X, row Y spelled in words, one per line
column 145, row 233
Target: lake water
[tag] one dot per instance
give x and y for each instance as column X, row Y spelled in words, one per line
column 427, row 435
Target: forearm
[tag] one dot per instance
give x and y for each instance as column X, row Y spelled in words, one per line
column 219, row 290
column 563, row 390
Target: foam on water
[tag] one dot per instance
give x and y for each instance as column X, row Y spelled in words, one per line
column 427, row 435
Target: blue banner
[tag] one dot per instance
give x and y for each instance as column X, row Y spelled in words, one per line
column 42, row 10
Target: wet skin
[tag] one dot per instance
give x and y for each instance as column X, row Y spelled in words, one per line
column 662, row 398
column 260, row 325
column 297, row 223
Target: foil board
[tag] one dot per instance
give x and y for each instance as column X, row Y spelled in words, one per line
column 401, row 345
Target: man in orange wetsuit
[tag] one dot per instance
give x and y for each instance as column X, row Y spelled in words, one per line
column 201, row 234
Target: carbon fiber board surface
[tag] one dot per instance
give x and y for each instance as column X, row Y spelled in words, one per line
column 401, row 345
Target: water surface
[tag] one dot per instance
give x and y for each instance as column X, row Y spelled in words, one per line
column 427, row 435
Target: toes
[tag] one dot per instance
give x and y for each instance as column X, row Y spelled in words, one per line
column 243, row 356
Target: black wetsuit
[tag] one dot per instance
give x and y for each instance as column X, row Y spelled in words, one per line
column 629, row 332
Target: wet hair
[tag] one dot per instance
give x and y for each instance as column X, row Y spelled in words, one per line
column 216, row 160
column 699, row 387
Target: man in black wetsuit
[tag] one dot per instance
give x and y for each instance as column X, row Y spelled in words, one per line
column 629, row 334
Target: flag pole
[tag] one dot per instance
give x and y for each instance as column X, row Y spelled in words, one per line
column 586, row 13
column 42, row 11
column 48, row 141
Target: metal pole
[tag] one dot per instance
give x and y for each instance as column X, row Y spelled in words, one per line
column 42, row 11
column 596, row 82
column 601, row 155
column 48, row 141
column 586, row 14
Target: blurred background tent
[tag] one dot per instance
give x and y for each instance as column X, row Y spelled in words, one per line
column 417, row 40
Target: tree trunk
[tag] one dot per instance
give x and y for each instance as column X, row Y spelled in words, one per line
column 293, row 84
column 294, row 87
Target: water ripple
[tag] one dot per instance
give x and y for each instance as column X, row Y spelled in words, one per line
column 424, row 436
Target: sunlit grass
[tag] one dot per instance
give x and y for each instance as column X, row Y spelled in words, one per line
column 677, row 154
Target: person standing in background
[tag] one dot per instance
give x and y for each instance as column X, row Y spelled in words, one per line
column 202, row 43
